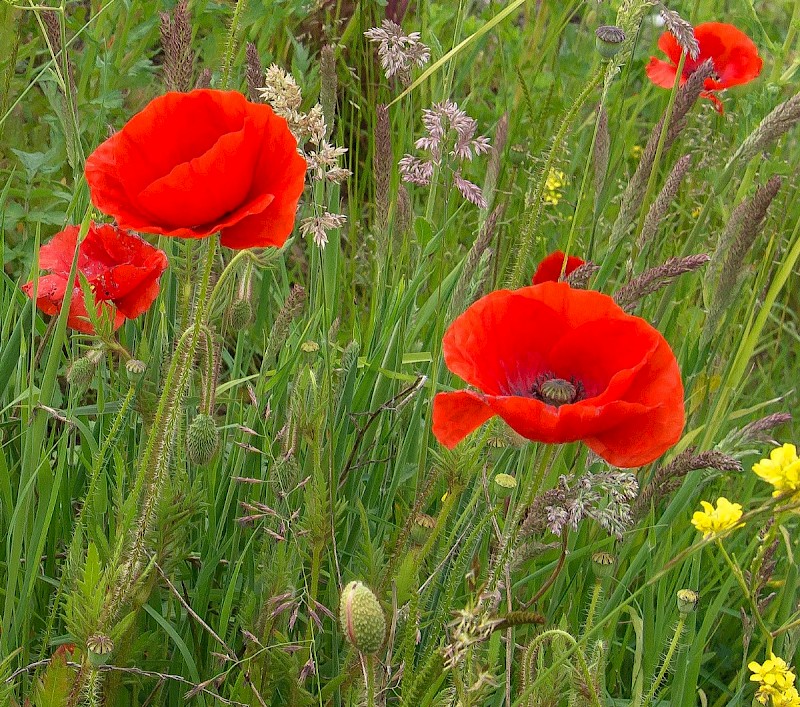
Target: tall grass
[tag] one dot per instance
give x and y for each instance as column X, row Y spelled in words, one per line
column 328, row 470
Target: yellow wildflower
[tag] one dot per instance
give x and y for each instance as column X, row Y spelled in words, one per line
column 716, row 520
column 555, row 180
column 788, row 698
column 773, row 673
column 782, row 469
column 636, row 151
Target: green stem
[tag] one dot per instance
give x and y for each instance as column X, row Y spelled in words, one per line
column 596, row 592
column 651, row 182
column 512, row 525
column 737, row 573
column 673, row 646
column 587, row 674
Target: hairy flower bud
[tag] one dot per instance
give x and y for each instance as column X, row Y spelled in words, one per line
column 81, row 373
column 241, row 314
column 687, row 600
column 202, row 439
column 361, row 618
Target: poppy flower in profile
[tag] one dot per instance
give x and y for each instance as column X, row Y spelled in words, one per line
column 735, row 57
column 191, row 164
column 550, row 268
column 122, row 270
column 562, row 365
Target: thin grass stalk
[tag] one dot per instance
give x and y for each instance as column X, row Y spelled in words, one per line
column 531, row 224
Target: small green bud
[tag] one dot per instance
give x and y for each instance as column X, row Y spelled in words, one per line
column 241, row 314
column 608, row 40
column 135, row 370
column 504, row 485
column 99, row 648
column 202, row 439
column 309, row 347
column 687, row 600
column 361, row 618
column 603, row 564
column 80, row 374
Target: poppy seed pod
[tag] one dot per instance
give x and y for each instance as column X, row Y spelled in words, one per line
column 361, row 618
column 608, row 40
column 99, row 648
column 202, row 439
column 135, row 370
column 504, row 485
column 603, row 564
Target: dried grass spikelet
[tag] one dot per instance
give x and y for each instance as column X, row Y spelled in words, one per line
column 660, row 207
column 602, row 150
column 329, row 86
column 755, row 431
column 778, row 122
column 495, row 158
column 404, row 212
column 52, row 28
column 458, row 301
column 579, row 277
column 291, row 309
column 681, row 30
column 740, row 233
column 669, row 477
column 203, row 79
column 655, row 278
column 635, row 191
column 382, row 161
column 176, row 43
column 255, row 73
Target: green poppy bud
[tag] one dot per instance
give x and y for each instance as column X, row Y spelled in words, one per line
column 202, row 439
column 361, row 618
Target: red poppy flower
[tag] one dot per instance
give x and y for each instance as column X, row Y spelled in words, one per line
column 561, row 365
column 549, row 269
column 192, row 164
column 735, row 57
column 122, row 269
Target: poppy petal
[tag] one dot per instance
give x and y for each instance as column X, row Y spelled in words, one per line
column 457, row 414
column 550, row 268
column 279, row 170
column 192, row 191
column 661, row 73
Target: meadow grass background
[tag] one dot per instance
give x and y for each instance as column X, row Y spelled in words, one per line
column 338, row 437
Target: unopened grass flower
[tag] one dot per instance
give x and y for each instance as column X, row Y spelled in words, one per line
column 782, row 469
column 711, row 521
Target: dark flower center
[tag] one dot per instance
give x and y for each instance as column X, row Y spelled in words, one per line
column 557, row 391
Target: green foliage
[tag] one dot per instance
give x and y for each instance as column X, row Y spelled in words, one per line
column 311, row 462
